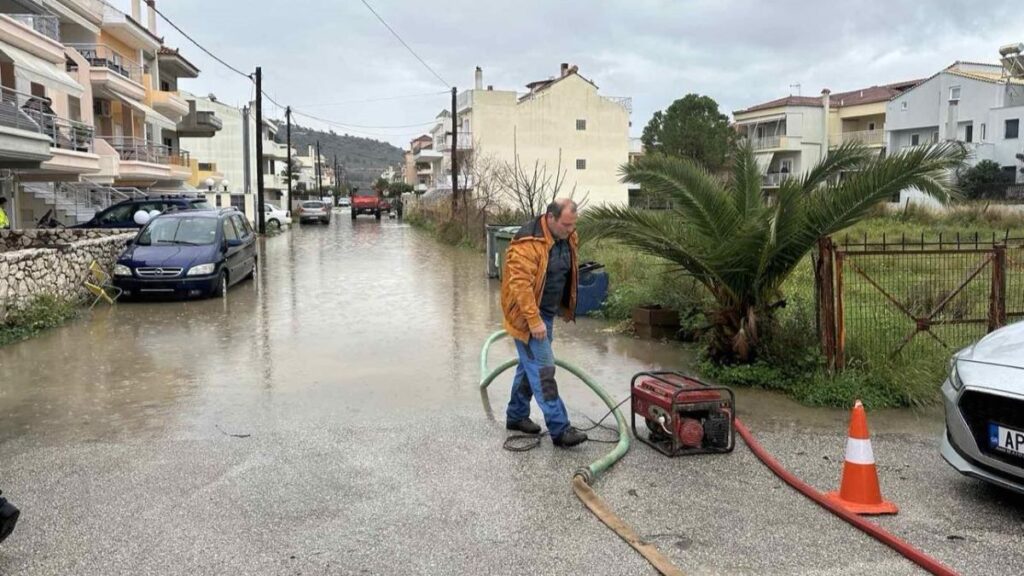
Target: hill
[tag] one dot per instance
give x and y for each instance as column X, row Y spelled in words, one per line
column 363, row 159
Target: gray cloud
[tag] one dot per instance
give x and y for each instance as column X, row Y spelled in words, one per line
column 738, row 52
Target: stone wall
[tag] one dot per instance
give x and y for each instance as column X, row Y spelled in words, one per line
column 58, row 268
column 53, row 237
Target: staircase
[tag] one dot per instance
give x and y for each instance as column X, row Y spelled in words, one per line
column 77, row 202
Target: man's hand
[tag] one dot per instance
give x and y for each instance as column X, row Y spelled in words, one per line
column 539, row 333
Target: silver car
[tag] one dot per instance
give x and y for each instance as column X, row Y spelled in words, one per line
column 984, row 398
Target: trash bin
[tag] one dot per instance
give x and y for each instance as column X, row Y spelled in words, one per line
column 502, row 238
column 492, row 250
column 593, row 288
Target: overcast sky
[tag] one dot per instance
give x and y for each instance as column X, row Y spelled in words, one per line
column 316, row 52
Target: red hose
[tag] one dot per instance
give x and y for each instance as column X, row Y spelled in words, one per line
column 871, row 529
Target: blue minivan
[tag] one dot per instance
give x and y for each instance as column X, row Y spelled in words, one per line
column 188, row 254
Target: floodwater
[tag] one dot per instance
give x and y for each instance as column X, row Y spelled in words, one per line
column 326, row 418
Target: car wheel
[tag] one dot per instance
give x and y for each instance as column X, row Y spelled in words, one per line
column 353, row 214
column 254, row 270
column 222, row 285
column 376, row 215
column 274, row 223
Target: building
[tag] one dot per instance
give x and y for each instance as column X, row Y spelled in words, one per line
column 792, row 134
column 98, row 91
column 980, row 105
column 561, row 124
column 307, row 182
column 417, row 174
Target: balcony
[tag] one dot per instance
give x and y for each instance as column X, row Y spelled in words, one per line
column 45, row 24
column 767, row 142
column 111, row 70
column 775, row 179
column 141, row 160
column 199, row 123
column 274, row 150
column 72, row 144
column 428, row 155
column 465, row 141
column 865, row 137
column 170, row 104
column 22, row 142
column 465, row 182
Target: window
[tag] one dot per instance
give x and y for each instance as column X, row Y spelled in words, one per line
column 935, row 136
column 871, row 126
column 915, row 139
column 982, row 132
column 581, row 164
column 117, row 214
column 1012, row 128
column 954, row 94
column 903, row 106
column 786, row 166
column 969, row 133
column 74, row 109
column 229, row 230
column 241, row 226
column 38, row 90
column 165, row 86
column 581, row 124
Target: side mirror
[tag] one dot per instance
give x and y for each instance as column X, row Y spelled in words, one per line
column 233, row 243
column 128, row 243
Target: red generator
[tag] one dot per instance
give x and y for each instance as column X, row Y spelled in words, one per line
column 683, row 414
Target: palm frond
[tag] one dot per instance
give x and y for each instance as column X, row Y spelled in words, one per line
column 747, row 181
column 849, row 156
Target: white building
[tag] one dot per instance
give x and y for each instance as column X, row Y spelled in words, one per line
column 560, row 120
column 981, row 105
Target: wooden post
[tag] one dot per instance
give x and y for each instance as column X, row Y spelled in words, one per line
column 826, row 301
column 840, row 313
column 997, row 300
column 454, row 154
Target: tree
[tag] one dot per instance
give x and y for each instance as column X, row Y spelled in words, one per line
column 381, row 185
column 740, row 244
column 530, row 189
column 399, row 188
column 984, row 181
column 692, row 127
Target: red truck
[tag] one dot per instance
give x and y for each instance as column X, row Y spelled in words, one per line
column 366, row 202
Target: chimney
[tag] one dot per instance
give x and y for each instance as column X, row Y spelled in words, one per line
column 563, row 70
column 479, row 76
column 137, row 10
column 824, row 136
column 152, row 16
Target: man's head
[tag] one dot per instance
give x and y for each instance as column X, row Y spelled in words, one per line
column 561, row 217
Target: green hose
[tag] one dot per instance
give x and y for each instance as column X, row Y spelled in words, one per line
column 599, row 466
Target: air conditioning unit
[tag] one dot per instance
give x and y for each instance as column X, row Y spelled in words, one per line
column 101, row 108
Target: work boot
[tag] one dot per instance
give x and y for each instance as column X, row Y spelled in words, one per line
column 525, row 425
column 571, row 437
column 8, row 518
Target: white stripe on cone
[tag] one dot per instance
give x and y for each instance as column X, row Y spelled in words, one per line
column 859, row 451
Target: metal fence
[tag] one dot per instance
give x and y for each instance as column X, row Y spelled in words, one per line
column 883, row 298
column 46, row 24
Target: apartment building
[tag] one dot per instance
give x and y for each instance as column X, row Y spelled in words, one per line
column 792, row 134
column 102, row 90
column 417, row 173
column 980, row 105
column 561, row 121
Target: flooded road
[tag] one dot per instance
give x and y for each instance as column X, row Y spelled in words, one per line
column 325, row 419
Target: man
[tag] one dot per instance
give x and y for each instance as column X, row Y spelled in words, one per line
column 8, row 518
column 4, row 222
column 539, row 282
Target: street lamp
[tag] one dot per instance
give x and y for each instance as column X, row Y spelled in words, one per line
column 209, row 184
column 225, row 183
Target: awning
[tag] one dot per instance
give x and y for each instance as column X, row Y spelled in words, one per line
column 761, row 120
column 764, row 160
column 152, row 116
column 34, row 69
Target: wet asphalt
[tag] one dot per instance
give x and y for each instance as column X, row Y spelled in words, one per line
column 325, row 419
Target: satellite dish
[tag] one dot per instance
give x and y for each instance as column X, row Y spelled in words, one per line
column 142, row 217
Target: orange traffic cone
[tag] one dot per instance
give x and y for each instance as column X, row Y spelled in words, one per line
column 858, row 491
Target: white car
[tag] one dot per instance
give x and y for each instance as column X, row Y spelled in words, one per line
column 275, row 217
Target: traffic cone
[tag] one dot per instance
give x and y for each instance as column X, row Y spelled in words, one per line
column 858, row 490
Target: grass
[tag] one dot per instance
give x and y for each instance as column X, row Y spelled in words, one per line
column 39, row 314
column 791, row 362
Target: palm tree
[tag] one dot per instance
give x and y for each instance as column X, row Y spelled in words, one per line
column 741, row 244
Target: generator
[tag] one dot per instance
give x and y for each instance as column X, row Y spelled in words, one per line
column 683, row 415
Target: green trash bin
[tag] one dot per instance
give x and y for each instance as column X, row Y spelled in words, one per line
column 502, row 238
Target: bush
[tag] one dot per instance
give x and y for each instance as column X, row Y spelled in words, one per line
column 41, row 313
column 985, row 180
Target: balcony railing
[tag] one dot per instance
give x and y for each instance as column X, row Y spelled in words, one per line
column 180, row 158
column 625, row 101
column 103, row 56
column 775, row 179
column 766, row 142
column 138, row 150
column 12, row 113
column 866, row 137
column 66, row 134
column 208, row 118
column 465, row 141
column 46, row 24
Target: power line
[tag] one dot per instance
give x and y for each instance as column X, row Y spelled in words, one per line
column 344, row 124
column 152, row 6
column 411, row 51
column 370, row 100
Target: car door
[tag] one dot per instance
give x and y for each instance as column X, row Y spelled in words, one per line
column 248, row 237
column 117, row 217
column 235, row 250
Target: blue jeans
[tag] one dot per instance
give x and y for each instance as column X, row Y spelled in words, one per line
column 535, row 377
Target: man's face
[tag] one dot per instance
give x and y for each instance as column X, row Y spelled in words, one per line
column 563, row 227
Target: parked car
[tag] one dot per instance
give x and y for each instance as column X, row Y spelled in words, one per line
column 274, row 216
column 192, row 253
column 122, row 214
column 366, row 202
column 314, row 211
column 984, row 400
column 344, row 201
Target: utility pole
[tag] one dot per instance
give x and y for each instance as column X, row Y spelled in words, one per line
column 288, row 135
column 260, row 216
column 337, row 181
column 455, row 161
column 319, row 172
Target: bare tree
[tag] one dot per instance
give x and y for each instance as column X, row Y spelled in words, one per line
column 530, row 189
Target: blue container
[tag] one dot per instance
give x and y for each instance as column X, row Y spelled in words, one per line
column 593, row 288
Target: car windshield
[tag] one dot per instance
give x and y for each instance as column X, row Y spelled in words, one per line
column 312, row 204
column 189, row 231
column 365, row 193
column 201, row 205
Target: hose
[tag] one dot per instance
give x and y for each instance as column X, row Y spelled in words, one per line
column 871, row 529
column 584, row 477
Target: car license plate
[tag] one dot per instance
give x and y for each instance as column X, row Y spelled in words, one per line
column 1006, row 440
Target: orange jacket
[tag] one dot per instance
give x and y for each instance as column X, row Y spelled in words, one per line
column 522, row 281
